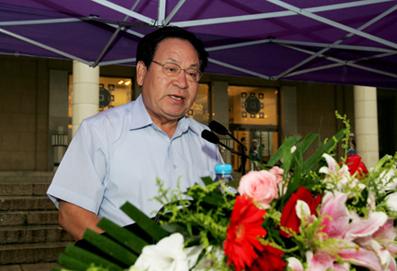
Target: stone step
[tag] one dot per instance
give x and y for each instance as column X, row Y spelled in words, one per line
column 33, row 234
column 31, row 253
column 14, row 203
column 23, row 189
column 19, row 218
column 26, row 176
column 30, row 267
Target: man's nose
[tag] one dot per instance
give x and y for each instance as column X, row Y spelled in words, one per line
column 182, row 79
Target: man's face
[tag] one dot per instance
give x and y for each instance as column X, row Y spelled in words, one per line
column 167, row 98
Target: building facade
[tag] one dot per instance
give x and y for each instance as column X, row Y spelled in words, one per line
column 35, row 109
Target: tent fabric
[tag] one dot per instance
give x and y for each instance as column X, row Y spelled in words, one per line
column 336, row 41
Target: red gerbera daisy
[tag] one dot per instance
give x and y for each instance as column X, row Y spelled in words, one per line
column 270, row 259
column 243, row 232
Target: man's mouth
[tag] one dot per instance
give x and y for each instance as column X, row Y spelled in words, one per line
column 177, row 97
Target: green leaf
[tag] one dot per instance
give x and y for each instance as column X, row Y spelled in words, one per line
column 207, row 180
column 122, row 235
column 213, row 199
column 143, row 221
column 81, row 255
column 283, row 151
column 72, row 263
column 307, row 141
column 326, row 147
column 110, row 247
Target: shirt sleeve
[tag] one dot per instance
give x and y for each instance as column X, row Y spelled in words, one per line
column 79, row 178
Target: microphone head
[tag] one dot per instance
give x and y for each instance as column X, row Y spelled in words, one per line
column 218, row 128
column 210, row 136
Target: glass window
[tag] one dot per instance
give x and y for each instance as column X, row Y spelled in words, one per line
column 253, row 119
column 199, row 110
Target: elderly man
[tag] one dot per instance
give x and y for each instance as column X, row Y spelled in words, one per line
column 117, row 155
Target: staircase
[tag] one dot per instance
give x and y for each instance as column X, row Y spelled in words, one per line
column 30, row 238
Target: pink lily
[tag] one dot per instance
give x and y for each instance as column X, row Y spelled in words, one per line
column 339, row 234
column 323, row 262
column 383, row 245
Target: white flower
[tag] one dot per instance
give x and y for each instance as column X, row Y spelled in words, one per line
column 338, row 178
column 294, row 264
column 387, row 180
column 391, row 202
column 212, row 260
column 302, row 210
column 293, row 149
column 168, row 254
column 371, row 201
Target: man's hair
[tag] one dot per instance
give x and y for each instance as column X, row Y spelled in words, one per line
column 147, row 46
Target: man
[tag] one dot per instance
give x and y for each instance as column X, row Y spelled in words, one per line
column 242, row 149
column 117, row 155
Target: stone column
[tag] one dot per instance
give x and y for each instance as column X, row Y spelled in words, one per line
column 366, row 124
column 289, row 112
column 220, row 112
column 85, row 99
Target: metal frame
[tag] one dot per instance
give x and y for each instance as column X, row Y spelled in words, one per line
column 289, row 10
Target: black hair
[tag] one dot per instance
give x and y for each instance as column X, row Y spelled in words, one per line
column 148, row 44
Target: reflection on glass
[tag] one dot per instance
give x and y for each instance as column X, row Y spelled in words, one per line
column 199, row 110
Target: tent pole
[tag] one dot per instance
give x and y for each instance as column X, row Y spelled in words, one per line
column 341, row 63
column 333, row 23
column 125, row 11
column 227, row 65
column 161, row 12
column 338, row 42
column 43, row 46
column 269, row 15
column 113, row 37
column 174, row 11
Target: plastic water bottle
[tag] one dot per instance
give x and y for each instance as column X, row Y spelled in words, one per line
column 223, row 174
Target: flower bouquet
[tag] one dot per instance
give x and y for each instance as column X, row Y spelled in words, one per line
column 298, row 212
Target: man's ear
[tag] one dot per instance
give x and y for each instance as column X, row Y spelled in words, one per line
column 140, row 72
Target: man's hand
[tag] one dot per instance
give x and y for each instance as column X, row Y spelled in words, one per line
column 75, row 220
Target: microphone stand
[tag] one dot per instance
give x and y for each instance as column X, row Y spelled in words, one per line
column 213, row 138
column 222, row 130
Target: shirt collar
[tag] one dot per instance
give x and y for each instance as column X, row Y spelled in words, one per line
column 140, row 118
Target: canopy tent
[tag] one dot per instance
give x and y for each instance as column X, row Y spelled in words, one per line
column 338, row 41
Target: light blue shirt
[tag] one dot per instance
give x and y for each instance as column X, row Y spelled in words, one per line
column 117, row 155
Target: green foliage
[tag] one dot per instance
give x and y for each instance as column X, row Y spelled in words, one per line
column 299, row 171
column 345, row 142
column 75, row 258
column 201, row 214
column 110, row 247
column 148, row 225
column 120, row 244
column 122, row 235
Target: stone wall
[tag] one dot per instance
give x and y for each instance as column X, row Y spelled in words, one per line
column 316, row 106
column 24, row 139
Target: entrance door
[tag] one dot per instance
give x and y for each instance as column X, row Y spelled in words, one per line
column 260, row 144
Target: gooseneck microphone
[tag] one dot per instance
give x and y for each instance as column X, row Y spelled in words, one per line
column 222, row 130
column 213, row 138
column 218, row 128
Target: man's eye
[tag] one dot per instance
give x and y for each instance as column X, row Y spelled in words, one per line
column 193, row 73
column 171, row 69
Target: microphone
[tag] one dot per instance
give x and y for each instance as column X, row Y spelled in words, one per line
column 213, row 138
column 218, row 128
column 222, row 130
